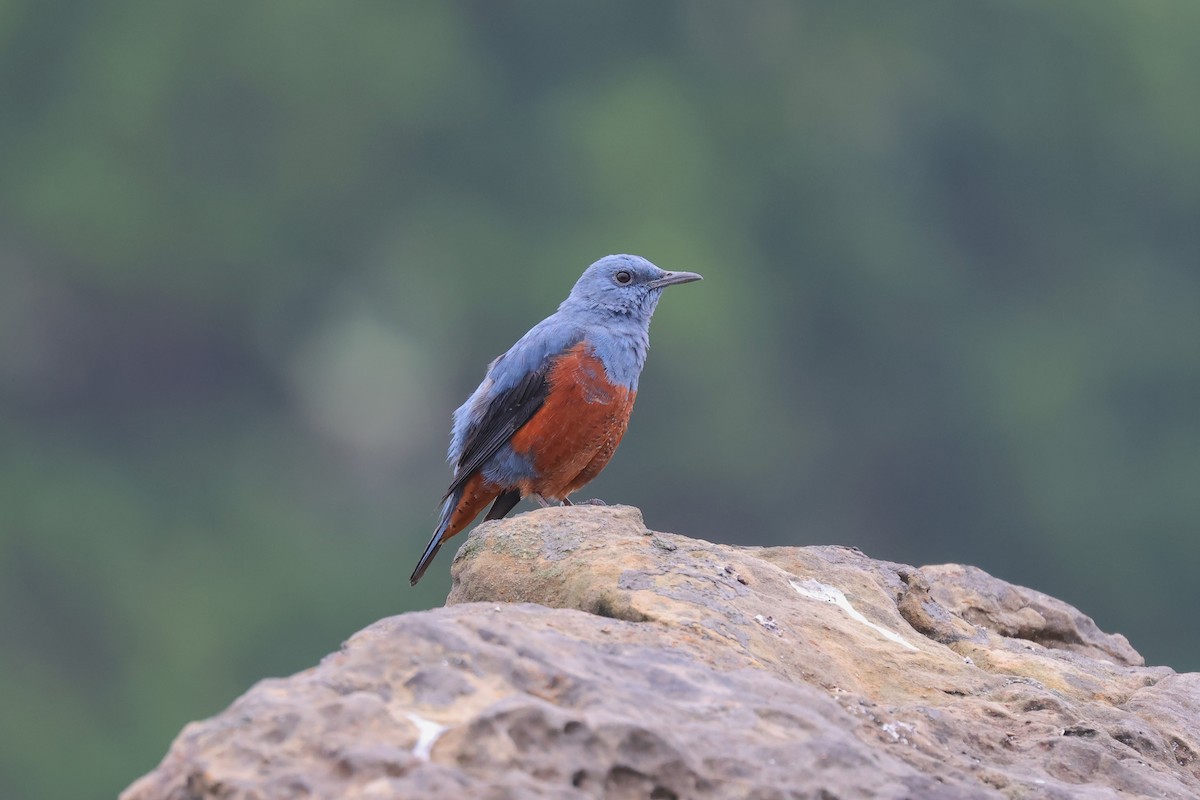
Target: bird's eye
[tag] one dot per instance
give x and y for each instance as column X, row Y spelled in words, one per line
column 623, row 277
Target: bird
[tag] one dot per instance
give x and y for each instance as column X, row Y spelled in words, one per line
column 551, row 411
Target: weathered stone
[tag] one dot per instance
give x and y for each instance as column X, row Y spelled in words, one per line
column 581, row 656
column 1021, row 613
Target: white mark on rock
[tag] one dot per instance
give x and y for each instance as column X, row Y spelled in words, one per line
column 427, row 734
column 898, row 731
column 815, row 590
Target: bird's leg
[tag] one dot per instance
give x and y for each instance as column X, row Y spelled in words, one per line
column 541, row 501
column 567, row 502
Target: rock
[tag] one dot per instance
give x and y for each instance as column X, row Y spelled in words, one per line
column 1014, row 611
column 582, row 656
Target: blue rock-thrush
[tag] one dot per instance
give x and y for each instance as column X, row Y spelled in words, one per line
column 551, row 411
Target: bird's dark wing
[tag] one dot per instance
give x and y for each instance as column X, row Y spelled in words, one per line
column 503, row 417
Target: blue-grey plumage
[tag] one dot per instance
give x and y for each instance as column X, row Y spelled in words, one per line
column 608, row 311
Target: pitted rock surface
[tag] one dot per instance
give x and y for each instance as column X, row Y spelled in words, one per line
column 583, row 656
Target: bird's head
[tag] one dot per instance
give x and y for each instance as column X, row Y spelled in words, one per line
column 623, row 285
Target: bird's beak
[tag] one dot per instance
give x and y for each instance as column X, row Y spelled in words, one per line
column 672, row 278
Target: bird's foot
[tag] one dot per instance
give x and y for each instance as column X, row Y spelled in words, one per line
column 566, row 502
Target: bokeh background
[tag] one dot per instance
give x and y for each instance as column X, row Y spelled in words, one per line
column 253, row 254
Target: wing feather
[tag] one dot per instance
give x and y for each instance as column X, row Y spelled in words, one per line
column 503, row 416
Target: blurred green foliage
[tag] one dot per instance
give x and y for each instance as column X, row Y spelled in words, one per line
column 253, row 254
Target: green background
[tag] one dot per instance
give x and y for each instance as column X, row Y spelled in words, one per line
column 252, row 254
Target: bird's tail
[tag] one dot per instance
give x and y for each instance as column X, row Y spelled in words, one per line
column 435, row 544
column 458, row 509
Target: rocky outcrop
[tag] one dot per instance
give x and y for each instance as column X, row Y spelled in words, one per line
column 581, row 655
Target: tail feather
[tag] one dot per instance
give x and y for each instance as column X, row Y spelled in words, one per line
column 435, row 544
column 504, row 504
column 458, row 509
column 449, row 504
